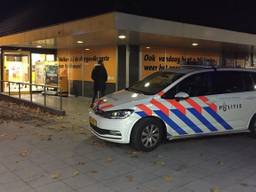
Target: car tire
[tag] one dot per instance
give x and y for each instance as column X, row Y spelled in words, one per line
column 252, row 126
column 147, row 134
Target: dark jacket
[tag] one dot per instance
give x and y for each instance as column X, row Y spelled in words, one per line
column 100, row 76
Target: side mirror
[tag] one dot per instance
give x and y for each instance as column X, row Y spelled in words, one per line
column 181, row 96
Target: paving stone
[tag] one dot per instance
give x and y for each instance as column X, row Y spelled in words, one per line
column 85, row 163
column 80, row 181
column 8, row 178
column 96, row 188
column 55, row 187
column 29, row 173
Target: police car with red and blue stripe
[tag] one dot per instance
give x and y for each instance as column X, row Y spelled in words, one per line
column 178, row 103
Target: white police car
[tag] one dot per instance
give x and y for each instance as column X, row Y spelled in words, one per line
column 178, row 103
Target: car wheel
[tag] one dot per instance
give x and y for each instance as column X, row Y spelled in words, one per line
column 147, row 134
column 252, row 126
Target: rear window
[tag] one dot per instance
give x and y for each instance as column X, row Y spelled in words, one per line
column 252, row 77
column 229, row 82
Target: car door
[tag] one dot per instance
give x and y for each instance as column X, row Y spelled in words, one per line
column 231, row 99
column 192, row 115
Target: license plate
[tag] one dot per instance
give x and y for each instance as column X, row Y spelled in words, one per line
column 92, row 121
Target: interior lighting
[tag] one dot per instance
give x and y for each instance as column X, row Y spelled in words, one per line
column 195, row 44
column 121, row 36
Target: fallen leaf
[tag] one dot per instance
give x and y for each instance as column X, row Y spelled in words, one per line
column 133, row 154
column 159, row 163
column 76, row 173
column 167, row 178
column 215, row 189
column 94, row 172
column 82, row 131
column 81, row 163
column 220, row 163
column 55, row 175
column 109, row 160
column 24, row 153
column 12, row 137
column 244, row 184
column 49, row 137
column 130, row 178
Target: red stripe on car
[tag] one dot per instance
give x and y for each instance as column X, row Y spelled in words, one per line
column 207, row 102
column 105, row 106
column 194, row 105
column 145, row 109
column 178, row 106
column 161, row 93
column 160, row 106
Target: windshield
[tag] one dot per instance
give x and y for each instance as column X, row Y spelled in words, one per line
column 155, row 82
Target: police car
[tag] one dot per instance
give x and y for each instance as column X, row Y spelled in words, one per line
column 178, row 103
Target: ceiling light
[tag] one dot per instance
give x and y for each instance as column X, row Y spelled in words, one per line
column 87, row 49
column 80, row 42
column 195, row 44
column 121, row 36
column 148, row 47
column 39, row 46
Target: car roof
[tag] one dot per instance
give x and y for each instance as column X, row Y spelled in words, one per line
column 185, row 69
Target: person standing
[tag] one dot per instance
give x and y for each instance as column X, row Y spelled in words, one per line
column 99, row 76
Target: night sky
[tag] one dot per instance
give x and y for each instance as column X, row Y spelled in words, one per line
column 17, row 15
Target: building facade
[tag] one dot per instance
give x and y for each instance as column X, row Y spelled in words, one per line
column 131, row 47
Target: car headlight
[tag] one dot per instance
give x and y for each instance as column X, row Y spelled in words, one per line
column 118, row 114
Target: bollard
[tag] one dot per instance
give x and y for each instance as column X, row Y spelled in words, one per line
column 45, row 96
column 60, row 99
column 30, row 90
column 19, row 90
column 9, row 88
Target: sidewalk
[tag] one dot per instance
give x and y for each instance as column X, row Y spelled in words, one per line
column 45, row 153
column 70, row 104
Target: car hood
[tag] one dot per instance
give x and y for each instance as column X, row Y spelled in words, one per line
column 119, row 99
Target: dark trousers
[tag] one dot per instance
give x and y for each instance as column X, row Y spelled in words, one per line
column 97, row 93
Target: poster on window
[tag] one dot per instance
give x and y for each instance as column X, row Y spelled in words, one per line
column 51, row 75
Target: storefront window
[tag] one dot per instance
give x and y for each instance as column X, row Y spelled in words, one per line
column 16, row 69
column 42, row 66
